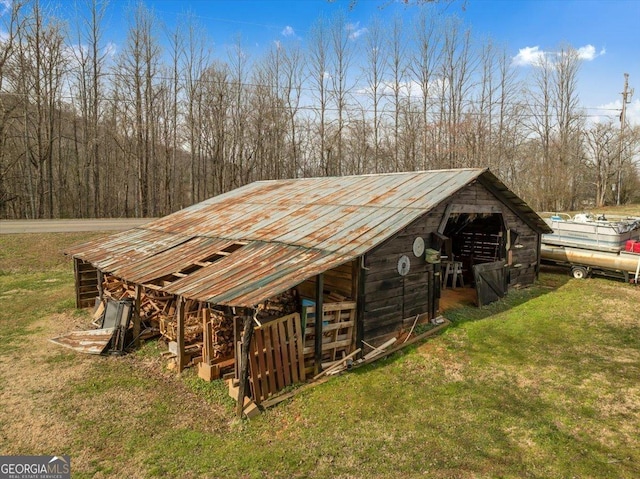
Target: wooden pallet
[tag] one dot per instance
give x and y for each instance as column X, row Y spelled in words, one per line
column 275, row 357
column 338, row 326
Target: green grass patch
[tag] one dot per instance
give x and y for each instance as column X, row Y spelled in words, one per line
column 25, row 253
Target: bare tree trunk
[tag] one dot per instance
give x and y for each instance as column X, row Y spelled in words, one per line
column 318, row 66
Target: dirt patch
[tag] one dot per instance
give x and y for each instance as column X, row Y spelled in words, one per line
column 29, row 423
column 49, row 408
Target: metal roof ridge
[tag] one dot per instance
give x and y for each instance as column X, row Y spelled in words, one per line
column 392, row 173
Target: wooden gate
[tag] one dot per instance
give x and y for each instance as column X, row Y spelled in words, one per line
column 276, row 357
column 491, row 281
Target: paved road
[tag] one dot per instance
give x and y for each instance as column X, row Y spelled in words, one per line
column 70, row 226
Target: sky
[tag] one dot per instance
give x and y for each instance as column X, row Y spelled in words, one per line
column 605, row 32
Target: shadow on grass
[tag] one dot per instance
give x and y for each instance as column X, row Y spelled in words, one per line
column 551, row 278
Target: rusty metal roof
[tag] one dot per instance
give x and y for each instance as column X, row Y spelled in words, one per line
column 245, row 246
column 94, row 341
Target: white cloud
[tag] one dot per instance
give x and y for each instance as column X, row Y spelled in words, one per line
column 535, row 56
column 588, row 52
column 611, row 112
column 354, row 30
column 288, row 31
column 528, row 56
column 633, row 112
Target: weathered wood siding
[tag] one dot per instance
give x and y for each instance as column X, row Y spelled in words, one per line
column 391, row 302
column 337, row 280
column 522, row 268
column 87, row 285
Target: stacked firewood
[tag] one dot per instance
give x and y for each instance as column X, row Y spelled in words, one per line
column 159, row 309
column 156, row 307
column 222, row 335
column 192, row 322
column 278, row 306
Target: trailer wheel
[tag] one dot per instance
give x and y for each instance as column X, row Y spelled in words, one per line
column 579, row 272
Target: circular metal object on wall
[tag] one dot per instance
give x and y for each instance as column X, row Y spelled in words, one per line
column 404, row 264
column 418, row 247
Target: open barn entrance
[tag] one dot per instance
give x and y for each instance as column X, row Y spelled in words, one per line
column 471, row 239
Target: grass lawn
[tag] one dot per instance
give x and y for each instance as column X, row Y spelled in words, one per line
column 545, row 384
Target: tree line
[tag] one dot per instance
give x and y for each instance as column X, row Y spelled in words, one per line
column 164, row 120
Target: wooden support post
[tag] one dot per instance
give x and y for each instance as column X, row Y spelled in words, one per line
column 136, row 316
column 100, row 279
column 318, row 324
column 180, row 332
column 206, row 336
column 247, row 333
column 237, row 342
column 76, row 274
column 362, row 274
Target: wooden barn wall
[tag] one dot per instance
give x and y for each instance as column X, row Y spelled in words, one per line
column 391, row 302
column 338, row 280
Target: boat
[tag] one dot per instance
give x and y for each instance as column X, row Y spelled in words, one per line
column 591, row 244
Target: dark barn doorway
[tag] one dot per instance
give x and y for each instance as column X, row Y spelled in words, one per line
column 471, row 239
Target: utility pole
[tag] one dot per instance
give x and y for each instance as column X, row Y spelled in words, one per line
column 626, row 98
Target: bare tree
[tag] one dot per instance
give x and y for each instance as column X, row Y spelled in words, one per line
column 602, row 145
column 173, row 90
column 194, row 62
column 292, row 71
column 397, row 51
column 556, row 121
column 343, row 50
column 90, row 57
column 9, row 100
column 456, row 69
column 239, row 155
column 42, row 63
column 423, row 67
column 318, row 74
column 374, row 72
column 138, row 69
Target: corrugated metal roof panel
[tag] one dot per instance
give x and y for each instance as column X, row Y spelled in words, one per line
column 94, row 341
column 172, row 260
column 124, row 248
column 254, row 273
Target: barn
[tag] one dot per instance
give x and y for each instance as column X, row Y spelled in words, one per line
column 242, row 274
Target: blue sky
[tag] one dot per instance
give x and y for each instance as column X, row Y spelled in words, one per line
column 607, row 32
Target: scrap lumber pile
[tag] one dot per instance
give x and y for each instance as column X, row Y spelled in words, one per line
column 153, row 304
